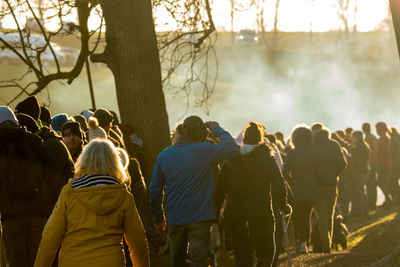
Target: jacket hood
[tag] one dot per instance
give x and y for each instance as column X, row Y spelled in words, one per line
column 46, row 132
column 100, row 200
column 10, row 130
column 248, row 149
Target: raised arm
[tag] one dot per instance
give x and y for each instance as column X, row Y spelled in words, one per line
column 227, row 148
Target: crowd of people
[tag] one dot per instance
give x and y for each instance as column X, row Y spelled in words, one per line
column 72, row 193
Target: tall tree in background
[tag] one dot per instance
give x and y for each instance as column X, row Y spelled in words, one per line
column 131, row 53
column 275, row 29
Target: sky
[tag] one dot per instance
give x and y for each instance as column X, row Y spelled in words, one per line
column 294, row 15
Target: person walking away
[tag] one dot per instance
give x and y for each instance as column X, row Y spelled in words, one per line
column 185, row 170
column 249, row 180
column 358, row 166
column 93, row 214
column 23, row 190
column 372, row 187
column 300, row 169
column 384, row 162
column 330, row 164
column 395, row 172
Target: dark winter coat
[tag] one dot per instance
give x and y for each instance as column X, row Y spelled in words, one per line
column 14, row 203
column 359, row 159
column 300, row 170
column 61, row 167
column 330, row 161
column 250, row 180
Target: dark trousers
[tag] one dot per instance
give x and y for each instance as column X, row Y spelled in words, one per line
column 372, row 188
column 21, row 237
column 198, row 237
column 384, row 178
column 249, row 234
column 325, row 206
column 301, row 220
column 359, row 201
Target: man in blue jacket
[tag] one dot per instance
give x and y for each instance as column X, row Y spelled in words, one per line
column 185, row 170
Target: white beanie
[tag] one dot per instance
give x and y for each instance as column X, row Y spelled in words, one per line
column 6, row 114
column 94, row 130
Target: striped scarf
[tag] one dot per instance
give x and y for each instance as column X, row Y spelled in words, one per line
column 88, row 180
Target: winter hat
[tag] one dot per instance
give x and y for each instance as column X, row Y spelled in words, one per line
column 82, row 121
column 45, row 115
column 6, row 114
column 28, row 122
column 104, row 117
column 94, row 130
column 74, row 127
column 58, row 121
column 87, row 114
column 29, row 106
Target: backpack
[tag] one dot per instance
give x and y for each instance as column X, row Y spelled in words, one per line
column 20, row 167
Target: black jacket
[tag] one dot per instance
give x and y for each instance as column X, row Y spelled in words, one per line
column 17, row 175
column 250, row 180
column 359, row 159
column 300, row 170
column 330, row 161
column 61, row 167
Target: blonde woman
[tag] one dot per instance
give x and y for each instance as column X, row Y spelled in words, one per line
column 94, row 211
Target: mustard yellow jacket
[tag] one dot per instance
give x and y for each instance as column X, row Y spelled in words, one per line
column 89, row 224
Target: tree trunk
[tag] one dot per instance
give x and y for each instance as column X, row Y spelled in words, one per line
column 132, row 55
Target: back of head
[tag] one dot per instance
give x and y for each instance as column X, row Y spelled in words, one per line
column 82, row 122
column 358, row 136
column 87, row 114
column 29, row 106
column 321, row 136
column 45, row 116
column 104, row 117
column 381, row 128
column 280, row 136
column 366, row 127
column 316, row 126
column 253, row 134
column 100, row 156
column 349, row 130
column 115, row 117
column 301, row 136
column 58, row 121
column 271, row 138
column 194, row 129
column 28, row 122
column 6, row 114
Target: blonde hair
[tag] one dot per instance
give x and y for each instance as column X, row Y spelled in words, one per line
column 100, row 156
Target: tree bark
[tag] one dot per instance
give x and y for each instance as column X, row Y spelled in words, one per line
column 132, row 55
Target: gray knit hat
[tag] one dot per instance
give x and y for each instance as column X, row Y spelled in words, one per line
column 6, row 114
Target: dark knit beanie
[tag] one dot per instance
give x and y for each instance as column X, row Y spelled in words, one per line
column 74, row 127
column 28, row 122
column 45, row 115
column 58, row 121
column 29, row 106
column 104, row 117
